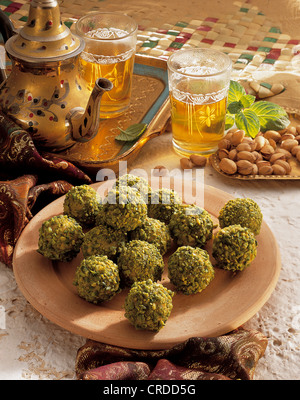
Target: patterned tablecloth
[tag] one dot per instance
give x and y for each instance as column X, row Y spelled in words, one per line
column 260, row 44
column 253, row 40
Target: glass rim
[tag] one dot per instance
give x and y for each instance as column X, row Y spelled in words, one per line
column 198, row 50
column 81, row 34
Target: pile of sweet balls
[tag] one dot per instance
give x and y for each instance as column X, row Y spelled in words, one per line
column 124, row 236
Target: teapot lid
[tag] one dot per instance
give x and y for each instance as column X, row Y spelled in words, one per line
column 44, row 37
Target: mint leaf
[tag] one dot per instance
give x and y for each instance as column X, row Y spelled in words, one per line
column 131, row 133
column 229, row 121
column 247, row 100
column 271, row 116
column 248, row 121
column 235, row 107
column 276, row 125
column 252, row 116
column 236, row 92
column 244, row 102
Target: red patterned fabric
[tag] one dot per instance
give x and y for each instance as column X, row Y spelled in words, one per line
column 18, row 156
column 17, row 197
column 20, row 187
column 232, row 356
column 123, row 370
column 165, row 370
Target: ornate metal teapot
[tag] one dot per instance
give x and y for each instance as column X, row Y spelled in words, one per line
column 45, row 93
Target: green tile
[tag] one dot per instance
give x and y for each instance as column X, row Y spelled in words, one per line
column 173, row 32
column 5, row 2
column 265, row 84
column 182, row 24
column 275, row 30
column 243, row 9
column 150, row 43
column 270, row 39
column 176, row 45
column 246, row 56
column 269, row 61
column 68, row 23
column 24, row 18
column 264, row 49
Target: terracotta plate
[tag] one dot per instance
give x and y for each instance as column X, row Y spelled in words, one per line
column 229, row 301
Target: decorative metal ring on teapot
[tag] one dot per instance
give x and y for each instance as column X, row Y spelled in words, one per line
column 60, row 36
column 38, row 57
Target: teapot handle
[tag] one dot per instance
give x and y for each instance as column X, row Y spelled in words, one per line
column 6, row 26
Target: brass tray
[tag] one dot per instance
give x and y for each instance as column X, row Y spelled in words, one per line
column 149, row 105
column 295, row 165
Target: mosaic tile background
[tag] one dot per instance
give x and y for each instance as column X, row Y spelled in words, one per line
column 247, row 35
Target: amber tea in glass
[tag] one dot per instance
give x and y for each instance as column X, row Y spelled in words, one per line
column 198, row 83
column 110, row 40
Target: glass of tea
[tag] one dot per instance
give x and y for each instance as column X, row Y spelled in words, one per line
column 110, row 45
column 199, row 80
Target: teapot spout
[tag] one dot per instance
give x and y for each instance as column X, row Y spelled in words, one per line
column 85, row 124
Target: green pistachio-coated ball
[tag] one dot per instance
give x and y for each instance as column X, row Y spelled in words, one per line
column 244, row 212
column 97, row 279
column 190, row 269
column 234, row 248
column 148, row 305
